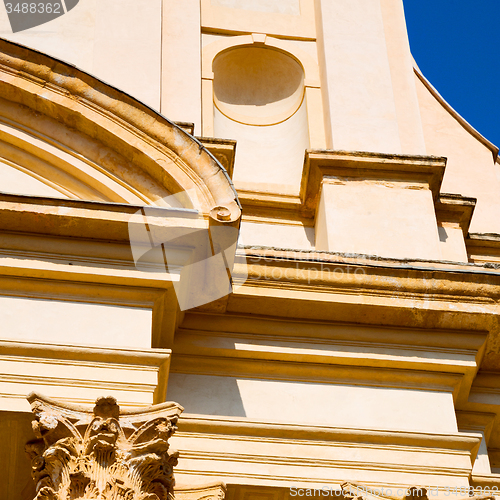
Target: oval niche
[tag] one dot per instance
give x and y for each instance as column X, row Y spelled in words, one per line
column 257, row 86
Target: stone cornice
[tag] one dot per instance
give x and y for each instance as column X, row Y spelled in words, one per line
column 484, row 249
column 426, row 171
column 320, row 455
column 76, row 373
column 87, row 219
column 409, row 377
column 150, row 357
column 349, row 288
column 455, row 209
column 235, row 426
column 481, row 482
column 433, row 278
column 415, row 172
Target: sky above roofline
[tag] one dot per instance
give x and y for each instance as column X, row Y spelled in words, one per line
column 456, row 44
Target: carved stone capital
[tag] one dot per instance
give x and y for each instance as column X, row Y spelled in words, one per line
column 104, row 453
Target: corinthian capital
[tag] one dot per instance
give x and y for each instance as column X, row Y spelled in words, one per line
column 104, row 453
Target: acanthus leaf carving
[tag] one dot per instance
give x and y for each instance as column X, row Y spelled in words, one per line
column 104, row 453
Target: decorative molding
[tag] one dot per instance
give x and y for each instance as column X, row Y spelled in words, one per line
column 224, row 151
column 355, row 272
column 209, row 491
column 241, row 451
column 484, row 249
column 455, row 209
column 250, row 431
column 188, row 127
column 475, row 421
column 76, row 374
column 482, row 482
column 88, row 219
column 416, row 171
column 102, row 453
column 328, row 465
column 286, row 369
column 124, row 142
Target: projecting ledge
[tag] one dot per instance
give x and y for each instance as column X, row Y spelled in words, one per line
column 286, row 455
column 454, row 215
column 375, row 204
column 76, row 374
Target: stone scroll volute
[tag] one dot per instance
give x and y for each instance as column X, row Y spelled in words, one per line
column 104, row 453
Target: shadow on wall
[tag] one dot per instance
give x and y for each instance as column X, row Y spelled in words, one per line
column 250, row 77
column 259, row 101
column 221, row 396
column 443, row 235
column 314, row 403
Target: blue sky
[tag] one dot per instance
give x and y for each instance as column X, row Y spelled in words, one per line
column 456, row 44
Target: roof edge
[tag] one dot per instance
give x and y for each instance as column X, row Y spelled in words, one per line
column 465, row 124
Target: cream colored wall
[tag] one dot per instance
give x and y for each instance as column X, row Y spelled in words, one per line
column 181, row 62
column 380, row 219
column 470, row 170
column 75, row 323
column 482, row 462
column 268, row 158
column 401, row 66
column 258, row 95
column 452, row 243
column 119, row 42
column 326, row 123
column 291, row 7
column 275, row 17
column 367, row 77
column 371, row 106
column 321, row 230
column 277, row 235
column 310, row 403
column 357, row 73
column 275, row 118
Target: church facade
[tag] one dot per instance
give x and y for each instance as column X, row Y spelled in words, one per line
column 245, row 244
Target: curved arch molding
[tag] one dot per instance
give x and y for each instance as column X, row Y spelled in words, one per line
column 91, row 141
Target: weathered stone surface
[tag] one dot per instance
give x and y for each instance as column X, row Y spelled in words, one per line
column 103, row 453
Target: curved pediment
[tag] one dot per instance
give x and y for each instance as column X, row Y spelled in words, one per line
column 68, row 134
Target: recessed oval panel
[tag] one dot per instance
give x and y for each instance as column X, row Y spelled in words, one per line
column 257, row 86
